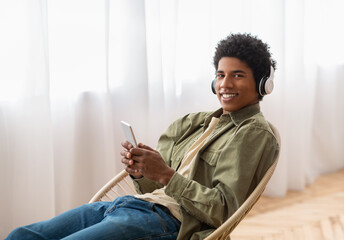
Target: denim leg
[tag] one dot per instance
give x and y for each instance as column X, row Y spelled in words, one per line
column 130, row 218
column 127, row 218
column 62, row 225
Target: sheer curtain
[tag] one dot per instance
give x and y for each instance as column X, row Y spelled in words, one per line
column 71, row 70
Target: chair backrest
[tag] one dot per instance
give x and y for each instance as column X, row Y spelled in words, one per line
column 227, row 227
column 118, row 186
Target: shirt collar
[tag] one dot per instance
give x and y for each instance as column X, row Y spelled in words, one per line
column 237, row 117
column 244, row 113
column 216, row 114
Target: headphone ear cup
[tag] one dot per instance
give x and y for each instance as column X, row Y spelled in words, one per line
column 266, row 84
column 213, row 86
column 261, row 87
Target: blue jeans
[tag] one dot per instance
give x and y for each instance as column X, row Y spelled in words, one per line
column 125, row 218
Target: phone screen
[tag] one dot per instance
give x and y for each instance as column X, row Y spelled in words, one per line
column 129, row 133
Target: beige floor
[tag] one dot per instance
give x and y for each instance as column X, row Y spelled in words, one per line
column 315, row 213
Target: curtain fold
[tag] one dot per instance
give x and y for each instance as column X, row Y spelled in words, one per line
column 71, row 70
column 26, row 146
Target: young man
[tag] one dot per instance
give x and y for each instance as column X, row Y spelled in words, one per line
column 205, row 166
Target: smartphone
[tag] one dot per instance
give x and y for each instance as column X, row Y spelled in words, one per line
column 129, row 133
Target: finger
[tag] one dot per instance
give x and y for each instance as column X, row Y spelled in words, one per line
column 137, row 151
column 141, row 145
column 131, row 170
column 126, row 145
column 125, row 154
column 127, row 162
column 139, row 162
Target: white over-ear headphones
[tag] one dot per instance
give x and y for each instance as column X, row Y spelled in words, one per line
column 266, row 84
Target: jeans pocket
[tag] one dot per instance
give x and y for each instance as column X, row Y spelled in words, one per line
column 110, row 209
column 118, row 202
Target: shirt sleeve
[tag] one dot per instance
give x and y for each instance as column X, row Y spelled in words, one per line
column 144, row 185
column 165, row 147
column 239, row 168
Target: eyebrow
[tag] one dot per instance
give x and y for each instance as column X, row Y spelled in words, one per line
column 235, row 71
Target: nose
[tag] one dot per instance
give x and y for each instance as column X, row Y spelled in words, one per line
column 227, row 82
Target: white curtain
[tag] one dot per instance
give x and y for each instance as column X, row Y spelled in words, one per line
column 70, row 70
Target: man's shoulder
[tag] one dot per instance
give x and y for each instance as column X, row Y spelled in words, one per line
column 258, row 125
column 257, row 121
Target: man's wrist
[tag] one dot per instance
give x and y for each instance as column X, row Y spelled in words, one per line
column 135, row 177
column 165, row 179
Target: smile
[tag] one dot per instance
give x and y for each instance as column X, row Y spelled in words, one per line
column 228, row 96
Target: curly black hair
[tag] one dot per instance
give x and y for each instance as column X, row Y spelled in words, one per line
column 248, row 49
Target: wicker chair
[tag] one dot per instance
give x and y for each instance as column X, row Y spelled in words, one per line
column 121, row 185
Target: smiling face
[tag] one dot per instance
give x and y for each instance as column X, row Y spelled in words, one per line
column 235, row 84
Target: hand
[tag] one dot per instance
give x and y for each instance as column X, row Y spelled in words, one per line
column 150, row 164
column 128, row 161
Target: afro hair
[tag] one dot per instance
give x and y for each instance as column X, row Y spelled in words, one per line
column 248, row 49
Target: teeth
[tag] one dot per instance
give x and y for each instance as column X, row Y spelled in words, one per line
column 229, row 95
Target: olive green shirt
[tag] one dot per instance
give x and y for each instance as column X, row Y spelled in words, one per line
column 227, row 168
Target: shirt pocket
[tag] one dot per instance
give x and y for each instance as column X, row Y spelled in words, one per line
column 210, row 156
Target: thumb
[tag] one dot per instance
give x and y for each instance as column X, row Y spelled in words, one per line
column 141, row 145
